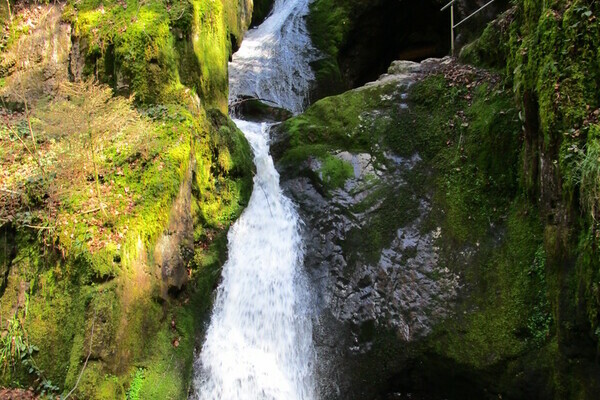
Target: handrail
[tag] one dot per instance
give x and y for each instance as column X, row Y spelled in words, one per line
column 475, row 12
column 454, row 26
column 448, row 5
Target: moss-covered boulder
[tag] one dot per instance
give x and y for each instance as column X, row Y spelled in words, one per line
column 153, row 49
column 427, row 258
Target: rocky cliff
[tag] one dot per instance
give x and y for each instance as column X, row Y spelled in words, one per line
column 425, row 256
column 120, row 176
column 452, row 225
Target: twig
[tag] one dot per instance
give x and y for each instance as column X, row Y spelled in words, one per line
column 266, row 197
column 241, row 101
column 93, row 210
column 9, row 10
column 86, row 359
column 10, row 191
column 180, row 15
column 37, row 227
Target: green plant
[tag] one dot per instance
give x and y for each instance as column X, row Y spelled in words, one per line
column 133, row 393
column 13, row 344
column 335, row 172
column 540, row 320
column 16, row 351
column 589, row 178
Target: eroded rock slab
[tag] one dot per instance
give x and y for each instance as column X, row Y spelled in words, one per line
column 370, row 247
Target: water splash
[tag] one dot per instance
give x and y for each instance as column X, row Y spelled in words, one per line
column 259, row 342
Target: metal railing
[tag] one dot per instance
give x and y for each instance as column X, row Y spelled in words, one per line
column 454, row 26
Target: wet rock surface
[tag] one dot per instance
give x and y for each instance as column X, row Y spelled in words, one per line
column 401, row 288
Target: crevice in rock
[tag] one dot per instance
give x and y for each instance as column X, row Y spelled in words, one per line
column 8, row 251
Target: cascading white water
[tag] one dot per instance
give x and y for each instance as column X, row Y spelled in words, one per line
column 259, row 342
column 273, row 62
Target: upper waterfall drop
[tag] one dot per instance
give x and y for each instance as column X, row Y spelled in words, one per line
column 259, row 342
column 273, row 63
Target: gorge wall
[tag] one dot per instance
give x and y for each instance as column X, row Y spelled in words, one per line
column 120, row 177
column 485, row 212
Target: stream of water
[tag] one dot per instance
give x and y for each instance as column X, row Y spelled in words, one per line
column 259, row 342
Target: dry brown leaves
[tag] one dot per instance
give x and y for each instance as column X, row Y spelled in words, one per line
column 458, row 74
column 17, row 394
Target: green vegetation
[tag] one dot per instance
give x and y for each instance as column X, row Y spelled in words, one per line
column 335, row 171
column 89, row 180
column 153, row 48
column 133, row 393
column 341, row 122
column 329, row 22
column 468, row 137
column 552, row 63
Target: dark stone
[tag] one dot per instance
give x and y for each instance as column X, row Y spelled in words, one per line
column 368, row 305
column 8, row 251
column 253, row 109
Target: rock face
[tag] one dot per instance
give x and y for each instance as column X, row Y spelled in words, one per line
column 427, row 265
column 400, row 288
column 38, row 63
column 173, row 173
column 175, row 248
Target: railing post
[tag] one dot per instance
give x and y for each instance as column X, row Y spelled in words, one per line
column 452, row 28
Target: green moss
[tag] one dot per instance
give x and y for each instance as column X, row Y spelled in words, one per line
column 509, row 313
column 472, row 140
column 329, row 23
column 553, row 62
column 394, row 208
column 110, row 290
column 135, row 37
column 469, row 141
column 67, row 297
column 341, row 122
column 224, row 173
column 172, row 358
column 491, row 48
column 90, row 279
column 153, row 47
column 335, row 172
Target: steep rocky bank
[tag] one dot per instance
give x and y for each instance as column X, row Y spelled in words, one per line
column 453, row 227
column 114, row 209
column 422, row 249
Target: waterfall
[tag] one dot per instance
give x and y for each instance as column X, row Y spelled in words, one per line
column 259, row 342
column 273, row 62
